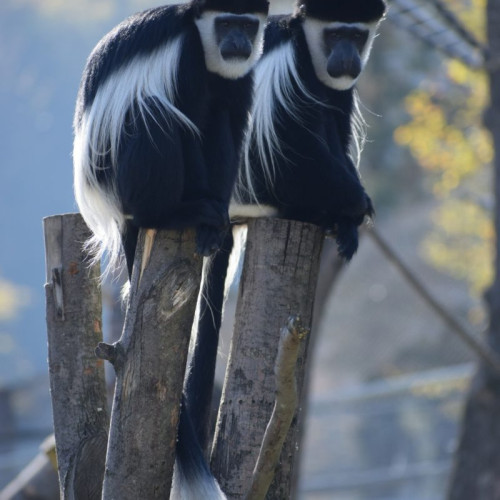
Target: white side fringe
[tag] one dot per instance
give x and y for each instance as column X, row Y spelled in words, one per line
column 145, row 82
column 278, row 86
column 275, row 76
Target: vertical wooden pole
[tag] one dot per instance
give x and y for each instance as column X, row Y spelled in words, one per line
column 150, row 360
column 278, row 281
column 76, row 375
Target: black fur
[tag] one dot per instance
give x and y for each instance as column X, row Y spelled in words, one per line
column 354, row 11
column 138, row 35
column 234, row 6
column 199, row 383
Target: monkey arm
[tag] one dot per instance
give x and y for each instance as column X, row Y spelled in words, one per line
column 315, row 177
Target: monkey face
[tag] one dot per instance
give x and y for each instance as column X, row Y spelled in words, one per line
column 232, row 43
column 236, row 35
column 339, row 51
column 343, row 47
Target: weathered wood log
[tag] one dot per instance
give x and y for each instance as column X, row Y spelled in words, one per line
column 76, row 375
column 279, row 279
column 284, row 408
column 150, row 360
column 331, row 268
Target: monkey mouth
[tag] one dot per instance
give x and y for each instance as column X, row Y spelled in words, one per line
column 236, row 54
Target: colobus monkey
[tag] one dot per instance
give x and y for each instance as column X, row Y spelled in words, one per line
column 297, row 160
column 159, row 123
column 297, row 155
column 160, row 118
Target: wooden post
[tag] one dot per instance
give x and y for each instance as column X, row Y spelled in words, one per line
column 278, row 281
column 150, row 361
column 330, row 270
column 76, row 375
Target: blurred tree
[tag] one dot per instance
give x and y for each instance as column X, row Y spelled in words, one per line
column 447, row 137
column 476, row 473
column 12, row 299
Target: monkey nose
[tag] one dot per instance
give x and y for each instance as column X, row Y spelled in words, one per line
column 236, row 49
column 339, row 67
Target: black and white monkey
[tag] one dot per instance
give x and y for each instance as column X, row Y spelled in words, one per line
column 160, row 118
column 298, row 160
column 159, row 123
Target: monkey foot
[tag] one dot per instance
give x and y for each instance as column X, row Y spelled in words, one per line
column 208, row 239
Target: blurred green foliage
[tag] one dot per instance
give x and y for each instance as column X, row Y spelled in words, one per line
column 447, row 137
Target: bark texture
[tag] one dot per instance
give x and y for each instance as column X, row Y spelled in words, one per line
column 76, row 375
column 476, row 473
column 150, row 361
column 279, row 279
column 284, row 408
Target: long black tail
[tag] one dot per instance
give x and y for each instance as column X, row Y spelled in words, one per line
column 192, row 478
column 200, row 379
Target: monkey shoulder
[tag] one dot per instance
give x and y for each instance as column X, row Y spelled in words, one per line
column 278, row 31
column 139, row 35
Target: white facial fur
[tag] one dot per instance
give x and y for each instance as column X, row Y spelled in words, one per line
column 213, row 59
column 313, row 30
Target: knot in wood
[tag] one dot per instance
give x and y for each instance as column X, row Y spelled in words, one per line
column 176, row 287
column 108, row 352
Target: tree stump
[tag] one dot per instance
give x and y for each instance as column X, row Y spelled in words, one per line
column 278, row 281
column 150, row 360
column 77, row 383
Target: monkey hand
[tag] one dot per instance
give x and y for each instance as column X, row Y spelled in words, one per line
column 357, row 207
column 347, row 237
column 368, row 211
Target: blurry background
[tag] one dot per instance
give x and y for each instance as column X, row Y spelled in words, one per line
column 389, row 378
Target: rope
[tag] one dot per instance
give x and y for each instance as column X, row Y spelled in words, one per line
column 484, row 352
column 438, row 28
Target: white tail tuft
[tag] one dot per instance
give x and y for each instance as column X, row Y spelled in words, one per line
column 195, row 487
